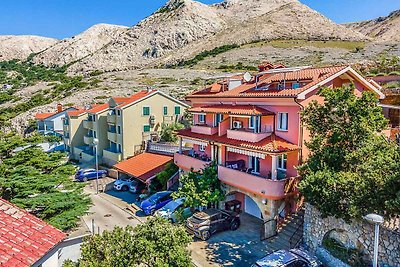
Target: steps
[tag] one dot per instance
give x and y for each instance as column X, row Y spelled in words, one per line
column 290, row 233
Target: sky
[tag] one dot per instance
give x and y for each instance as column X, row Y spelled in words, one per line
column 66, row 18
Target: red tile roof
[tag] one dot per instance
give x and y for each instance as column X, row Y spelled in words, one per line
column 24, row 238
column 77, row 112
column 144, row 166
column 98, row 108
column 136, row 97
column 43, row 116
column 232, row 109
column 310, row 76
column 272, row 143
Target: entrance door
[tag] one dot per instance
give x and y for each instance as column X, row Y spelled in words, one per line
column 251, row 207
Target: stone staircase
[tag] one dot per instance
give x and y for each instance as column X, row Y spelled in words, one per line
column 290, row 233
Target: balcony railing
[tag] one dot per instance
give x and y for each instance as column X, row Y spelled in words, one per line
column 112, row 136
column 204, row 129
column 270, row 189
column 112, row 118
column 88, row 124
column 249, row 135
column 187, row 162
column 112, row 155
column 88, row 140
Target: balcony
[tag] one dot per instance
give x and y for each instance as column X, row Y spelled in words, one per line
column 88, row 124
column 187, row 163
column 112, row 136
column 84, row 154
column 267, row 188
column 248, row 134
column 204, row 129
column 65, row 128
column 112, row 118
column 112, row 155
column 88, row 140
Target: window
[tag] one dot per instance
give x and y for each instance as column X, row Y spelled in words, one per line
column 94, row 134
column 255, row 165
column 165, row 109
column 202, row 148
column 119, row 148
column 202, row 118
column 146, row 111
column 281, row 86
column 252, row 122
column 296, row 85
column 177, row 110
column 146, row 128
column 282, row 162
column 218, row 119
column 283, row 121
column 255, row 123
column 118, row 112
column 119, row 129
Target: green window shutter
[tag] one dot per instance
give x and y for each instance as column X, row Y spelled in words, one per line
column 165, row 111
column 177, row 110
column 146, row 128
column 146, row 111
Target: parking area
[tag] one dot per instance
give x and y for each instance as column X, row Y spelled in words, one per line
column 231, row 248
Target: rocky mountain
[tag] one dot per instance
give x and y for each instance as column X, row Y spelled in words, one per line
column 382, row 29
column 183, row 28
column 21, row 46
column 79, row 46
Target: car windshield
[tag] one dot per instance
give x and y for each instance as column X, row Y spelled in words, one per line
column 153, row 199
column 84, row 171
column 171, row 206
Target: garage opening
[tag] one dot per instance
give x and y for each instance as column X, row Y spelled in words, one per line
column 249, row 206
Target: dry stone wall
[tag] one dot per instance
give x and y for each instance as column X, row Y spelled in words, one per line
column 358, row 235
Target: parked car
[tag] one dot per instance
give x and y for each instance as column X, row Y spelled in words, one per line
column 136, row 187
column 155, row 202
column 288, row 258
column 124, row 183
column 205, row 223
column 172, row 209
column 89, row 174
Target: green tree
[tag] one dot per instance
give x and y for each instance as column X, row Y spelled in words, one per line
column 351, row 171
column 166, row 174
column 168, row 132
column 200, row 188
column 154, row 243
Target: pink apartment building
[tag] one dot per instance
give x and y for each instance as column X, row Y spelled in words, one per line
column 251, row 127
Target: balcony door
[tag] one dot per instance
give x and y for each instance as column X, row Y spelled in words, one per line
column 254, row 164
column 255, row 123
column 217, row 119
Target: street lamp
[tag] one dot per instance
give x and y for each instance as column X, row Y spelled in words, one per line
column 376, row 220
column 95, row 143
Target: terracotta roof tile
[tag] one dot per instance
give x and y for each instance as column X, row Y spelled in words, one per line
column 272, row 143
column 233, row 109
column 43, row 116
column 77, row 112
column 137, row 97
column 24, row 238
column 98, row 108
column 144, row 166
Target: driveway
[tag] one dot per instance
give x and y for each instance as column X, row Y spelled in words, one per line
column 231, row 248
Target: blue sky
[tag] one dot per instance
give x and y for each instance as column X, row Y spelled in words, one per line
column 65, row 18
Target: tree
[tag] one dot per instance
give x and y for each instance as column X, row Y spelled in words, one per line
column 166, row 174
column 351, row 171
column 154, row 243
column 200, row 188
column 168, row 132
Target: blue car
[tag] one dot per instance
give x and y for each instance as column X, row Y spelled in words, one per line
column 155, row 202
column 89, row 174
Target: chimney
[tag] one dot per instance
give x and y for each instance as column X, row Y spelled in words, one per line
column 59, row 108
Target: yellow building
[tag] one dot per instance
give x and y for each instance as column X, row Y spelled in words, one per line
column 74, row 132
column 133, row 121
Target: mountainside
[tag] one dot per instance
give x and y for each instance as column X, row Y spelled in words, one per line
column 382, row 29
column 184, row 28
column 80, row 46
column 21, row 46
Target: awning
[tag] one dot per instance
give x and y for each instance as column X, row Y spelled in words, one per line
column 248, row 110
column 144, row 166
column 195, row 142
column 246, row 152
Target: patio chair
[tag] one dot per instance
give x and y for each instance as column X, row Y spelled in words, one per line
column 237, row 165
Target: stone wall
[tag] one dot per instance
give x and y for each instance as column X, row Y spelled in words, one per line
column 359, row 235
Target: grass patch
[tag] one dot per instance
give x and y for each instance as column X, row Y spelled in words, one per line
column 238, row 66
column 348, row 255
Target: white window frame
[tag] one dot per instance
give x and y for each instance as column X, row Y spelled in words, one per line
column 279, row 126
column 282, row 160
column 251, row 163
column 201, row 116
column 143, row 111
column 252, row 122
column 202, row 148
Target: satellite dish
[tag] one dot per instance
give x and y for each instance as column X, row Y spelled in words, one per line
column 247, row 77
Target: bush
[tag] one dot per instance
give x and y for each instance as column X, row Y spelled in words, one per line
column 165, row 175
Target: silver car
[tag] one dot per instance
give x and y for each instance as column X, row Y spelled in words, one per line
column 288, row 258
column 170, row 211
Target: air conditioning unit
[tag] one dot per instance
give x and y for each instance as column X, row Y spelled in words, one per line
column 237, row 125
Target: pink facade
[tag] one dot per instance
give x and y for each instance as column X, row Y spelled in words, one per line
column 187, row 163
column 208, row 130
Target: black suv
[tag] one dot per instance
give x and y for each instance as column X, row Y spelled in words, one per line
column 205, row 223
